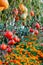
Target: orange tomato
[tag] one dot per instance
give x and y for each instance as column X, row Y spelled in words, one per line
column 14, row 61
column 21, row 7
column 1, row 8
column 11, row 60
column 4, row 4
column 32, row 13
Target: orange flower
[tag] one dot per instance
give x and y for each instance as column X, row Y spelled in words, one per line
column 41, row 55
column 28, row 53
column 0, row 62
column 29, row 43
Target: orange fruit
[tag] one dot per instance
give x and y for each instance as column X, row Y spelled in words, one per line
column 32, row 13
column 1, row 8
column 4, row 4
column 21, row 7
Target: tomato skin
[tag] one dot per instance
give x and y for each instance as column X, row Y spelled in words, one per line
column 17, row 18
column 7, row 63
column 41, row 44
column 32, row 13
column 15, row 11
column 31, row 30
column 36, row 32
column 21, row 7
column 37, row 26
column 11, row 42
column 3, row 46
column 11, row 60
column 8, row 49
column 16, row 39
column 4, row 5
column 8, row 34
column 14, row 61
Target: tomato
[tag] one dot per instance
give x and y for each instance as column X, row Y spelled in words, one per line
column 15, row 11
column 11, row 42
column 4, row 5
column 11, row 60
column 41, row 44
column 37, row 25
column 7, row 63
column 8, row 34
column 36, row 32
column 9, row 49
column 31, row 30
column 16, row 39
column 32, row 13
column 17, row 18
column 3, row 46
column 21, row 7
column 14, row 61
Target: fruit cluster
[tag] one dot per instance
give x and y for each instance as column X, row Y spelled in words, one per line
column 12, row 40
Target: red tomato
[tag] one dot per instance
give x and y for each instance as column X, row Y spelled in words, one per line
column 37, row 25
column 16, row 39
column 11, row 60
column 17, row 18
column 7, row 63
column 11, row 42
column 9, row 49
column 15, row 11
column 8, row 34
column 32, row 13
column 3, row 46
column 31, row 30
column 36, row 32
column 41, row 44
column 14, row 61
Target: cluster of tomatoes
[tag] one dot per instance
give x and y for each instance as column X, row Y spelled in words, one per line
column 37, row 26
column 15, row 14
column 20, row 12
column 11, row 41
